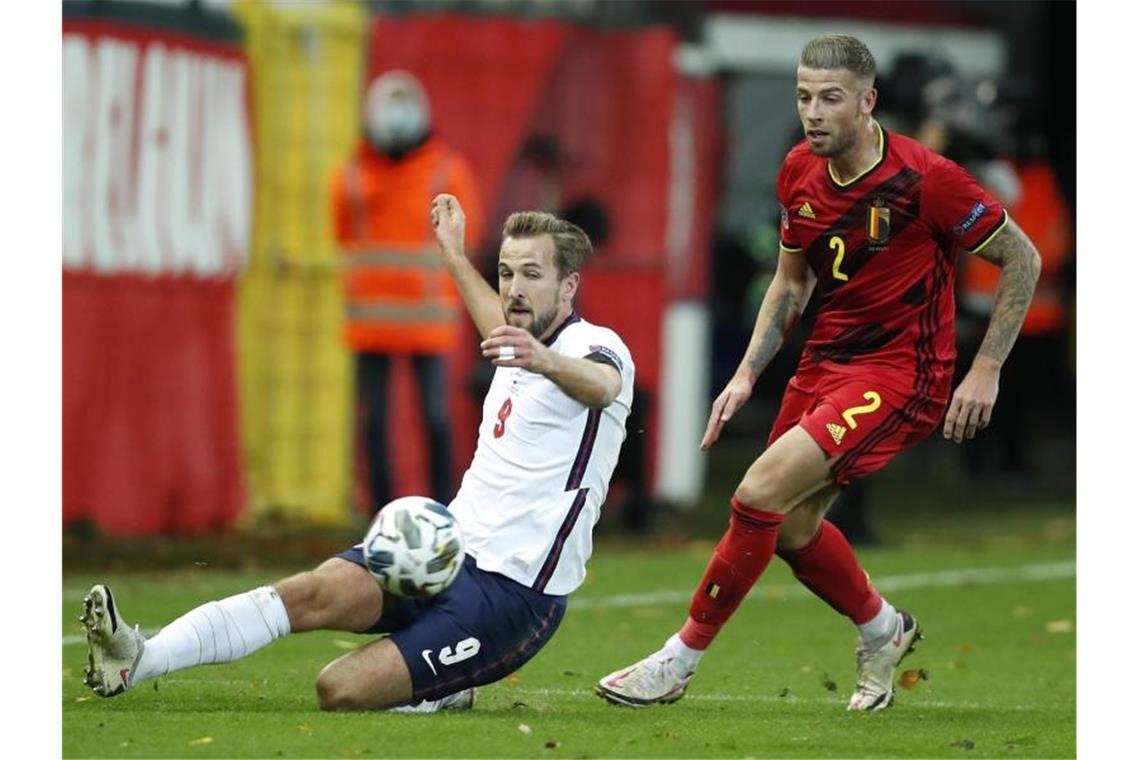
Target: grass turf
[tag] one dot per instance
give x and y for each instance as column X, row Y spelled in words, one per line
column 999, row 667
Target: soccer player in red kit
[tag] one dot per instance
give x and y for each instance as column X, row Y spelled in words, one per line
column 873, row 221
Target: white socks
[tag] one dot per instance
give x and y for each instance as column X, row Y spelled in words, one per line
column 683, row 653
column 878, row 630
column 215, row 632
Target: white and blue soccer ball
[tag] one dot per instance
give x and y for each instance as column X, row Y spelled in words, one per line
column 414, row 547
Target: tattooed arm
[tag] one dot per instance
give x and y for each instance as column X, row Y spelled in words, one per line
column 781, row 309
column 973, row 400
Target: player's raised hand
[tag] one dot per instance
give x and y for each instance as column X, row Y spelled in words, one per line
column 730, row 399
column 508, row 346
column 972, row 402
column 449, row 223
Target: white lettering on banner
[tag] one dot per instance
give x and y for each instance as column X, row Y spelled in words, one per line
column 153, row 202
column 75, row 111
column 157, row 161
column 114, row 69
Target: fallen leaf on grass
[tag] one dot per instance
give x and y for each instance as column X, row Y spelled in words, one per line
column 524, row 728
column 199, row 742
column 964, row 744
column 1059, row 626
column 910, row 678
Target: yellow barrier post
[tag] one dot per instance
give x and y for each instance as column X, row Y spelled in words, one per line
column 306, row 65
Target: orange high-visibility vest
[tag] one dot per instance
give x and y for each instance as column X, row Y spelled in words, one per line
column 399, row 296
column 1044, row 216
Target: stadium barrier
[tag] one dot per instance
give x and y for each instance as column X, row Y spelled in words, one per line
column 156, row 215
column 295, row 374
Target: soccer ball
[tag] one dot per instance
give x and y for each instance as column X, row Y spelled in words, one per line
column 414, row 547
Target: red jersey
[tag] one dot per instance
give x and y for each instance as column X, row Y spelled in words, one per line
column 883, row 247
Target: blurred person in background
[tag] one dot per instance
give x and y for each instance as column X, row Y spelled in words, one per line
column 979, row 125
column 875, row 221
column 552, row 429
column 400, row 301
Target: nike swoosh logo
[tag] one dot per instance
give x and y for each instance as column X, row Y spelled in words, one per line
column 427, row 658
column 899, row 634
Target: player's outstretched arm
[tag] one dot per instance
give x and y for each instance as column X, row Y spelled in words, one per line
column 783, row 304
column 450, row 224
column 973, row 400
column 594, row 384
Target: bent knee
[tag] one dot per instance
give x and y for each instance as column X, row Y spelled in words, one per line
column 776, row 488
column 795, row 534
column 760, row 492
column 337, row 694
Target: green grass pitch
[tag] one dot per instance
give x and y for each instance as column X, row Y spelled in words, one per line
column 996, row 675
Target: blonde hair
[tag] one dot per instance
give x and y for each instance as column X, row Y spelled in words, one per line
column 839, row 51
column 571, row 244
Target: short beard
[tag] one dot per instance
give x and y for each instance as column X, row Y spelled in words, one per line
column 541, row 323
column 843, row 144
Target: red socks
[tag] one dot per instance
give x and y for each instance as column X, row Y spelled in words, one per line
column 739, row 560
column 827, row 566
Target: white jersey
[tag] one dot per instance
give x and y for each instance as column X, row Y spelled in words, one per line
column 534, row 490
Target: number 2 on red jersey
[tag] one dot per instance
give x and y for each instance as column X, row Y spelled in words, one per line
column 836, row 244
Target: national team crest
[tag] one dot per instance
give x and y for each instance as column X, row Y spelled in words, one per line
column 878, row 222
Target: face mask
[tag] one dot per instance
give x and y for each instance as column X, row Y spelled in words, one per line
column 397, row 125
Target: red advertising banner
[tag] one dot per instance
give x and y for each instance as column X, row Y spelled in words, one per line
column 157, row 212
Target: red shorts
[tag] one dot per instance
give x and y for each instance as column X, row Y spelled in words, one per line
column 860, row 417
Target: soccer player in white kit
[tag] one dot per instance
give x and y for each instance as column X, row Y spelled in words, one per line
column 552, row 428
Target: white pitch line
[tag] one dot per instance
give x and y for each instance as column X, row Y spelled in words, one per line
column 978, row 576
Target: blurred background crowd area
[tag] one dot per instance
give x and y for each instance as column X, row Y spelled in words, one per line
column 211, row 380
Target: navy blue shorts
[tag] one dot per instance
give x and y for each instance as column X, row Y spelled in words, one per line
column 478, row 630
